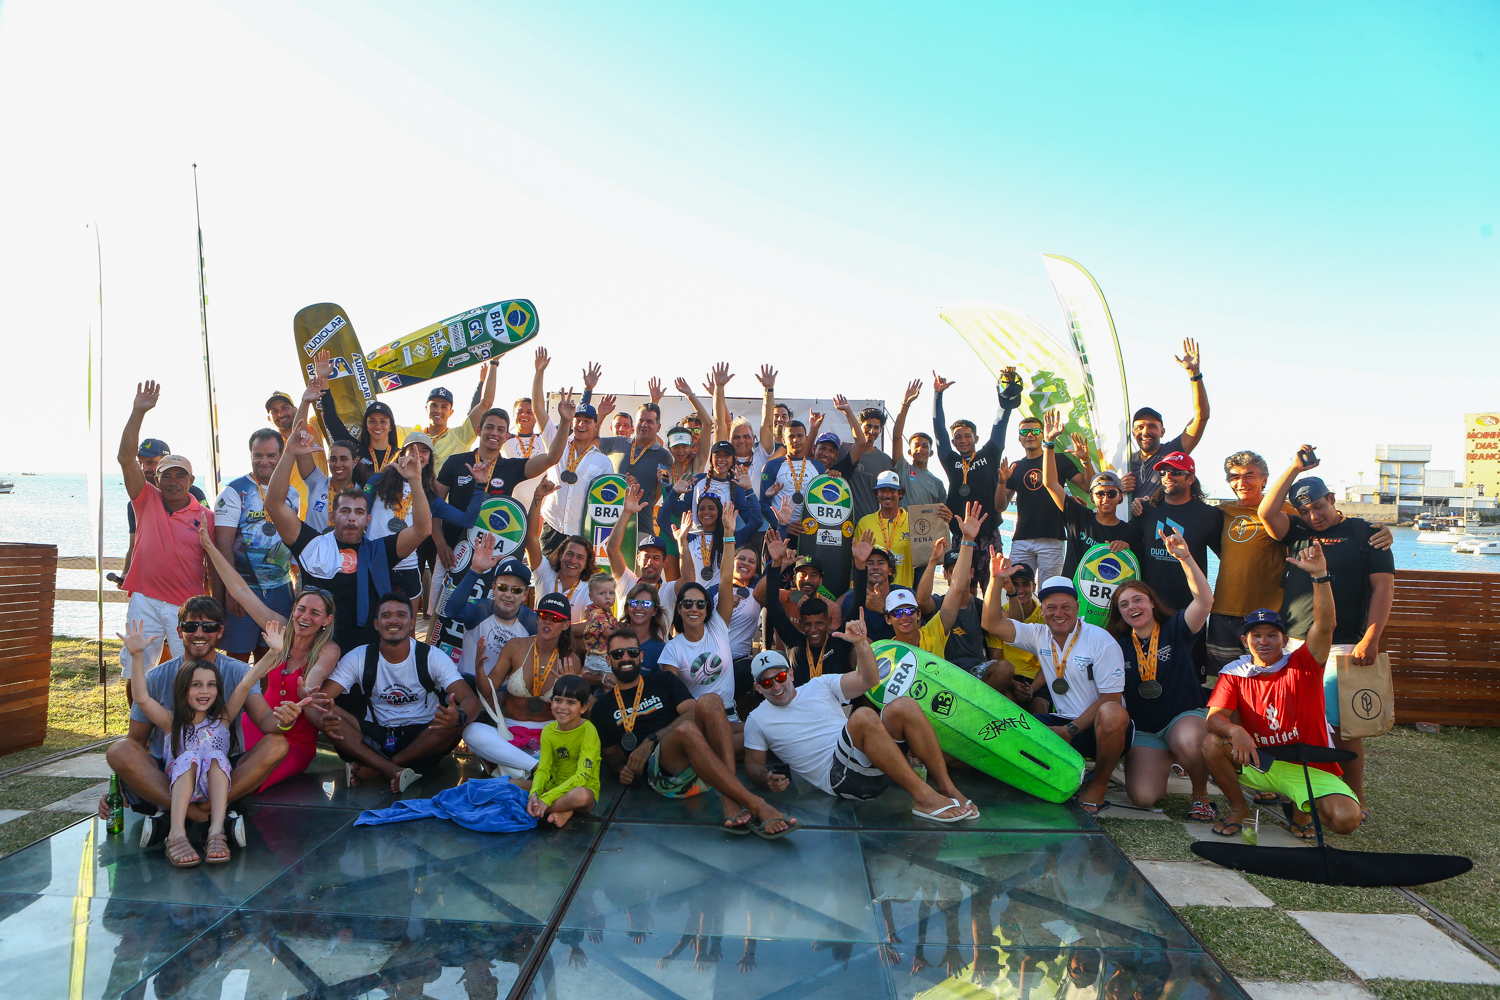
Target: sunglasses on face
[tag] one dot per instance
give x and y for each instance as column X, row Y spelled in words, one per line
column 1107, row 494
column 641, row 602
column 779, row 677
column 1030, row 431
column 903, row 613
column 621, row 652
column 695, row 604
column 207, row 627
column 506, row 589
column 551, row 616
column 1169, row 471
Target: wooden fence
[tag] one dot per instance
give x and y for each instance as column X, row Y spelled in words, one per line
column 28, row 579
column 1443, row 637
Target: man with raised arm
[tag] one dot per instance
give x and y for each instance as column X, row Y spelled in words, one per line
column 1084, row 670
column 974, row 471
column 854, row 758
column 641, row 457
column 905, row 616
column 1269, row 697
column 532, row 432
column 1038, row 538
column 862, row 462
column 1146, row 427
column 774, row 417
column 1364, row 583
column 920, row 487
column 164, row 571
column 1085, row 528
column 811, row 651
column 581, row 462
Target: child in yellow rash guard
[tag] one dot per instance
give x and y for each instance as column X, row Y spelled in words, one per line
column 566, row 779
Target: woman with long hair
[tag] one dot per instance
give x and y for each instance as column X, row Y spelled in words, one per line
column 516, row 692
column 1162, row 693
column 699, row 651
column 645, row 615
column 300, row 663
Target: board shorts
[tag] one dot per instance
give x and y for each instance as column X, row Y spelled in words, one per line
column 671, row 786
column 241, row 632
column 1158, row 739
column 851, row 775
column 1084, row 742
column 1331, row 681
column 1285, row 778
column 1223, row 636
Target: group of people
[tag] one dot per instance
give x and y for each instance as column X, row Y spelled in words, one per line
column 736, row 638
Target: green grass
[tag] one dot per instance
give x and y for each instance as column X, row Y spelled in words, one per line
column 28, row 791
column 1149, row 840
column 1256, row 943
column 32, row 827
column 1400, row 989
column 1332, row 899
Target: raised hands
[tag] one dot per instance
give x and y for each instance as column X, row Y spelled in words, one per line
column 720, row 374
column 681, row 532
column 974, row 517
column 653, row 386
column 542, row 359
column 767, row 378
column 1177, row 546
column 273, row 635
column 913, row 390
column 410, row 467
column 1189, row 359
column 146, row 395
column 323, row 364
column 940, row 384
column 1306, row 458
column 544, row 489
column 854, row 631
column 1000, row 566
column 786, row 511
column 1006, row 468
column 1052, row 425
column 1311, row 561
column 730, row 517
column 302, row 441
column 775, row 547
column 316, row 386
column 484, row 558
column 682, row 386
column 136, row 640
column 566, row 407
column 840, row 402
column 634, row 501
column 591, row 376
column 606, row 406
column 1080, row 449
column 863, row 546
column 742, row 476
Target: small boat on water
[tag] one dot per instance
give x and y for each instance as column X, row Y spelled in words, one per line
column 1478, row 546
column 7, row 485
column 1453, row 529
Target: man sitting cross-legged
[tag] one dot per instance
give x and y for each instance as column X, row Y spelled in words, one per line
column 1268, row 698
column 397, row 711
column 649, row 726
column 854, row 759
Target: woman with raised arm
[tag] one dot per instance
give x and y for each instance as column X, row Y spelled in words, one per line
column 699, row 652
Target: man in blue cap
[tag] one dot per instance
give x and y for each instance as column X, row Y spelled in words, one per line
column 492, row 620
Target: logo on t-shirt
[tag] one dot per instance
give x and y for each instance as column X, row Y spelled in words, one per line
column 1033, row 479
column 1243, row 528
column 1273, row 716
column 562, row 753
column 400, row 694
column 348, row 560
column 706, row 668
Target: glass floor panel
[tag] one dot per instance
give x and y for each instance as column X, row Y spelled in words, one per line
column 644, row 897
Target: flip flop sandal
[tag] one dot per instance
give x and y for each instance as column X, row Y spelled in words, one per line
column 734, row 826
column 1231, row 829
column 1203, row 811
column 351, row 776
column 1094, row 808
column 1265, row 798
column 217, row 844
column 406, row 778
column 1304, row 831
column 938, row 817
column 759, row 828
column 181, row 853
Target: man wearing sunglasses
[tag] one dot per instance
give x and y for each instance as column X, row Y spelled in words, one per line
column 974, row 471
column 1038, row 538
column 139, row 759
column 493, row 620
column 1177, row 507
column 857, row 758
column 650, row 727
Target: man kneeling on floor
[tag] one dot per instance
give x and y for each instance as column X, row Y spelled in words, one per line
column 397, row 711
column 854, row 759
column 652, row 728
column 139, row 759
column 1269, row 697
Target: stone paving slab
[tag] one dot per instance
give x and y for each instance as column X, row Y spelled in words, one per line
column 1197, row 883
column 1271, row 834
column 6, row 815
column 85, row 765
column 1330, row 990
column 1395, row 946
column 86, row 801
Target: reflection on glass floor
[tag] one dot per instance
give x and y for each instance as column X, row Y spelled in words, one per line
column 647, row 898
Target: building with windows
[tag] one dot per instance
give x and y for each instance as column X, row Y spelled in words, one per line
column 1403, row 479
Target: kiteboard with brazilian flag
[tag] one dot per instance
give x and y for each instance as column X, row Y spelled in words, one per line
column 1099, row 572
column 469, row 338
column 604, row 511
column 828, row 530
column 501, row 517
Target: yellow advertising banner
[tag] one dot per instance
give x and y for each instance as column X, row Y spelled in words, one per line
column 1482, row 452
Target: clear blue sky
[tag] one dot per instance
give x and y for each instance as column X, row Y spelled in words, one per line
column 1310, row 191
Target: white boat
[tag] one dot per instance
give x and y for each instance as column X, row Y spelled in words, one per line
column 1478, row 547
column 1455, row 529
column 7, row 485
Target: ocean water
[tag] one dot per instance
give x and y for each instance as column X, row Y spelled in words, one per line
column 54, row 509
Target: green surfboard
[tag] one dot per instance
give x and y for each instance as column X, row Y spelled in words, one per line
column 469, row 338
column 1099, row 572
column 603, row 512
column 977, row 724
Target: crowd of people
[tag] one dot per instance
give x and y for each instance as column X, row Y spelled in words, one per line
column 732, row 649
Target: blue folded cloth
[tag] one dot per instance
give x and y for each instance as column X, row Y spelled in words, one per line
column 489, row 805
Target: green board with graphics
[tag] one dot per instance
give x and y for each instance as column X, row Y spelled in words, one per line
column 603, row 512
column 469, row 338
column 977, row 724
column 828, row 530
column 1099, row 572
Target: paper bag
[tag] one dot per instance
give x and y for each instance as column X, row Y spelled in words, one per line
column 925, row 526
column 1367, row 700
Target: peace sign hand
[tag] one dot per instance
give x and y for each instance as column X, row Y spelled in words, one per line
column 940, row 384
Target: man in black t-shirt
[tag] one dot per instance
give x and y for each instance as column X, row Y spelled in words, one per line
column 1147, row 428
column 1038, row 538
column 498, row 476
column 973, row 472
column 652, row 728
column 1177, row 507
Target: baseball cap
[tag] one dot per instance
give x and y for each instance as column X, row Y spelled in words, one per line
column 1262, row 616
column 724, row 446
column 890, row 560
column 806, row 562
column 440, row 393
column 650, row 541
column 828, row 436
column 1308, row 490
column 679, row 435
column 378, row 407
column 888, row 480
column 900, row 598
column 769, row 660
column 416, row 437
column 515, row 568
column 174, row 462
column 586, row 410
column 1105, row 479
column 153, row 447
column 558, row 604
column 1146, row 413
column 1177, row 460
column 278, row 394
column 1057, row 585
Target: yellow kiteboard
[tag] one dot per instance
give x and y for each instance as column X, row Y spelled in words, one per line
column 470, row 338
column 326, row 325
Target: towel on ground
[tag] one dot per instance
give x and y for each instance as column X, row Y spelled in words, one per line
column 489, row 805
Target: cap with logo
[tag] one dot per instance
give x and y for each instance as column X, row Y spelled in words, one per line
column 1105, row 479
column 153, row 448
column 417, row 437
column 900, row 598
column 516, row 568
column 278, row 394
column 1057, row 585
column 438, row 392
column 1308, row 490
column 885, row 554
column 888, row 480
column 650, row 542
column 723, row 446
column 174, row 462
column 769, row 660
column 1262, row 616
column 828, row 437
column 806, row 562
column 586, row 410
column 1146, row 413
column 1178, row 460
column 558, row 604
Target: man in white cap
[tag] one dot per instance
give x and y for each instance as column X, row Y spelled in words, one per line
column 904, row 614
column 890, row 527
column 857, row 758
column 1084, row 669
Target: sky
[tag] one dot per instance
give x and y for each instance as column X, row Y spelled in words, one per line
column 1310, row 192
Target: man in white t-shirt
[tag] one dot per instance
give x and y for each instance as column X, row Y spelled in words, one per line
column 1084, row 670
column 581, row 463
column 854, row 759
column 397, row 711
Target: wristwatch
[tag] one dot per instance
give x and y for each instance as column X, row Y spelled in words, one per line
column 1050, row 444
column 1072, row 730
column 1325, row 578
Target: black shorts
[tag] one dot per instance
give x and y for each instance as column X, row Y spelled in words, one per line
column 851, row 775
column 1084, row 742
column 1223, row 636
column 391, row 740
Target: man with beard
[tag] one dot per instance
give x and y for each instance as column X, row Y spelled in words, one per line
column 247, row 538
column 855, row 758
column 651, row 728
column 1147, row 429
column 641, row 457
column 283, row 413
column 1177, row 507
column 919, row 486
column 1039, row 536
column 973, row 471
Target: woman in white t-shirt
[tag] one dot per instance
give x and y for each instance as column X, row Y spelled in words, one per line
column 699, row 651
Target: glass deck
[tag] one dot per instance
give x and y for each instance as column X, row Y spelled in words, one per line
column 647, row 898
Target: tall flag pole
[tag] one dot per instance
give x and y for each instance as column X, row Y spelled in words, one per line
column 208, row 370
column 96, row 418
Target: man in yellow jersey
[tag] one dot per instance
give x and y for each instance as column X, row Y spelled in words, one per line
column 889, row 527
column 449, row 441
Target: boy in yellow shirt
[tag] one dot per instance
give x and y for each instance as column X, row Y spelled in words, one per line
column 890, row 527
column 566, row 779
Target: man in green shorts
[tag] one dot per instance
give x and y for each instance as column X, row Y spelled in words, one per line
column 1272, row 698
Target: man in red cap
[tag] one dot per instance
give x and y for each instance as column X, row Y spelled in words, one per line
column 1177, row 507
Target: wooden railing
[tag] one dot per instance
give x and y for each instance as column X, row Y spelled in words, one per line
column 1443, row 637
column 28, row 576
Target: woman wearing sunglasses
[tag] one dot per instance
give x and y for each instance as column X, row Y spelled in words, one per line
column 517, row 692
column 645, row 616
column 699, row 651
column 1087, row 528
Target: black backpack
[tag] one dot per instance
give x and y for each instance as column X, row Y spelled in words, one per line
column 356, row 701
